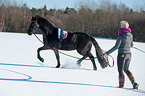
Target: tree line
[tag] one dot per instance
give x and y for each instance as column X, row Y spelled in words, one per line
column 98, row 20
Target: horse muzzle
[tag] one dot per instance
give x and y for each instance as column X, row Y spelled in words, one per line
column 30, row 31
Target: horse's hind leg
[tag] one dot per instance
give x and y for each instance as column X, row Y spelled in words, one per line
column 80, row 60
column 57, row 57
column 38, row 53
column 93, row 61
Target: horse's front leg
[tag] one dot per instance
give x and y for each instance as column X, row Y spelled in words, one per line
column 57, row 57
column 38, row 53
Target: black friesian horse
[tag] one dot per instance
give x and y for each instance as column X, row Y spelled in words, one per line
column 74, row 41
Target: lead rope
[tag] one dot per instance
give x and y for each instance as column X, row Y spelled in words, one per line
column 78, row 57
column 139, row 49
column 112, row 60
column 38, row 38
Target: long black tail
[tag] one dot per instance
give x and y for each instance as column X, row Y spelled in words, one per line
column 103, row 62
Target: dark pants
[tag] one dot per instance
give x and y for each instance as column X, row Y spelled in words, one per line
column 123, row 61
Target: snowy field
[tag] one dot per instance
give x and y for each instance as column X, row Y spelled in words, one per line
column 22, row 74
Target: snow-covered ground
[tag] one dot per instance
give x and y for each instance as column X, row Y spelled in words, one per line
column 22, row 74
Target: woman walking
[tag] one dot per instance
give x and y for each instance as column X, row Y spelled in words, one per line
column 123, row 44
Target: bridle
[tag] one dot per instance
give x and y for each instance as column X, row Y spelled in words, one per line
column 35, row 26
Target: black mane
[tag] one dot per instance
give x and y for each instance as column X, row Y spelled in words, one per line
column 44, row 21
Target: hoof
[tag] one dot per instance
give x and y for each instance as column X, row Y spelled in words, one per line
column 57, row 66
column 41, row 59
column 79, row 63
column 95, row 69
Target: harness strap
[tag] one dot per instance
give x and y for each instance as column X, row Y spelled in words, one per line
column 60, row 36
column 60, row 40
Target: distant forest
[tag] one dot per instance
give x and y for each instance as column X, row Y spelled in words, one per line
column 98, row 20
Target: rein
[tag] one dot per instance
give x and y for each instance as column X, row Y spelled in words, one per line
column 75, row 56
column 139, row 49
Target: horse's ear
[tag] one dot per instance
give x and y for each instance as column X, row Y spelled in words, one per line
column 32, row 17
column 36, row 17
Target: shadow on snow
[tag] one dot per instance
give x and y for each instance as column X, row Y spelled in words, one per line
column 29, row 79
column 70, row 83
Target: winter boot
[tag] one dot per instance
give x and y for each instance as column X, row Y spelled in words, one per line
column 135, row 85
column 121, row 82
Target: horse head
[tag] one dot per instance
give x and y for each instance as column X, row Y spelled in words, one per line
column 33, row 26
column 45, row 25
